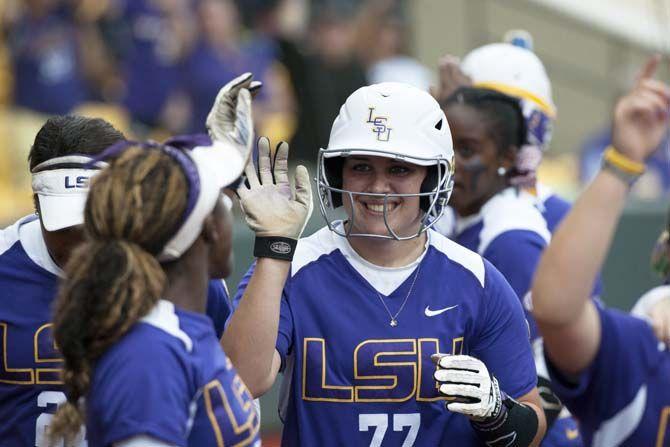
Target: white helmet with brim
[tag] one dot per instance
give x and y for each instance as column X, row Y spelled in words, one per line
column 392, row 120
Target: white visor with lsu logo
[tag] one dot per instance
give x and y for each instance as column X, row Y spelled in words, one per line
column 61, row 185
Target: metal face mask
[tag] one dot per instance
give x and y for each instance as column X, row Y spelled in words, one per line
column 434, row 195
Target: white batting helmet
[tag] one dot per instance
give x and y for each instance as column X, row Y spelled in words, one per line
column 392, row 120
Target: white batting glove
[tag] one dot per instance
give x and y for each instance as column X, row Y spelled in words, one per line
column 466, row 380
column 271, row 208
column 230, row 121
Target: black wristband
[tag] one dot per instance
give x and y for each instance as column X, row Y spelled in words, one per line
column 275, row 247
column 515, row 426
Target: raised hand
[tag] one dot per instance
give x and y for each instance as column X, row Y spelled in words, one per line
column 230, row 121
column 271, row 207
column 641, row 116
column 451, row 77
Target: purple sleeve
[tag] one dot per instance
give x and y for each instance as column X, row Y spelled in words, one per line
column 285, row 335
column 501, row 337
column 141, row 389
column 626, row 352
column 218, row 305
column 515, row 254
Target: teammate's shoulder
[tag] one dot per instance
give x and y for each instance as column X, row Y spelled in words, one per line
column 508, row 211
column 9, row 236
column 153, row 344
column 165, row 318
column 458, row 254
column 311, row 248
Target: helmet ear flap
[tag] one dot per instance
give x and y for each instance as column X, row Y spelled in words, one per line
column 333, row 167
column 429, row 184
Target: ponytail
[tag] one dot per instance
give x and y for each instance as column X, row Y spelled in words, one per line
column 114, row 279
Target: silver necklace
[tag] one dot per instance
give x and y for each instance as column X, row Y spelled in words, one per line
column 394, row 318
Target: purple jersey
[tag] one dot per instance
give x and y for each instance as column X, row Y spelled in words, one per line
column 554, row 208
column 623, row 398
column 30, row 385
column 510, row 233
column 169, row 379
column 350, row 378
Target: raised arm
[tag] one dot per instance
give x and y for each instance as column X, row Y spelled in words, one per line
column 565, row 315
column 278, row 217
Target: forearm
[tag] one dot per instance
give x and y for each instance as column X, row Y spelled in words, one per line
column 521, row 420
column 567, row 270
column 249, row 341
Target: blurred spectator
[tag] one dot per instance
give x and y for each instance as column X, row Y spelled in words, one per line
column 331, row 74
column 151, row 38
column 222, row 52
column 384, row 22
column 277, row 26
column 652, row 185
column 46, row 61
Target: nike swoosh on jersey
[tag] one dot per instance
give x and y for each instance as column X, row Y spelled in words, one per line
column 432, row 313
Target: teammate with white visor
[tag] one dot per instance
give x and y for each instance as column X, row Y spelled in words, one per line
column 33, row 254
column 142, row 363
column 362, row 320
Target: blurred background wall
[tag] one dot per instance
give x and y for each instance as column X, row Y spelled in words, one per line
column 153, row 67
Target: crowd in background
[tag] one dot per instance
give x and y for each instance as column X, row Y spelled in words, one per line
column 152, row 67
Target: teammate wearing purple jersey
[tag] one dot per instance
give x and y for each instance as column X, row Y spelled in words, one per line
column 142, row 363
column 607, row 367
column 512, row 68
column 495, row 218
column 32, row 254
column 362, row 312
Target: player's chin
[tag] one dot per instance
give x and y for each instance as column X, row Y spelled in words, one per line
column 378, row 227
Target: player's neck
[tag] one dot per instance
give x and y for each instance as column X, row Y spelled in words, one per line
column 187, row 280
column 389, row 252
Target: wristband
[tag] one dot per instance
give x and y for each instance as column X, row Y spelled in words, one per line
column 618, row 160
column 515, row 425
column 275, row 247
column 624, row 176
column 621, row 166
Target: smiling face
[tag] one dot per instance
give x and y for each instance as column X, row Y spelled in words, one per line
column 478, row 158
column 381, row 175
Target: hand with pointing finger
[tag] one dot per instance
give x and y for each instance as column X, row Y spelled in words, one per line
column 641, row 116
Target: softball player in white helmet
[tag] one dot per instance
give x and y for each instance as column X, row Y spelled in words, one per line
column 362, row 319
column 514, row 70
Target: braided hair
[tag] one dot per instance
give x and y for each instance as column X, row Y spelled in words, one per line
column 113, row 279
